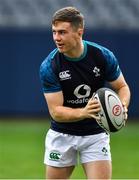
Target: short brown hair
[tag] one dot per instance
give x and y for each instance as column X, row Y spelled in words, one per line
column 69, row 14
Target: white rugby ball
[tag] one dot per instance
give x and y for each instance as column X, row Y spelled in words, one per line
column 111, row 114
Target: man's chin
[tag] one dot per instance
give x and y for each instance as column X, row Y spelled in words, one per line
column 61, row 50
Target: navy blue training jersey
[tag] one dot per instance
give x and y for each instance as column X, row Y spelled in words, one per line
column 78, row 79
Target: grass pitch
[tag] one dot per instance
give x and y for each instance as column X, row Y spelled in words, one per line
column 22, row 150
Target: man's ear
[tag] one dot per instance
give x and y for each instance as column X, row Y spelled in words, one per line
column 80, row 32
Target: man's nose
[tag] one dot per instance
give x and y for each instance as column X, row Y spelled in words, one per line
column 57, row 37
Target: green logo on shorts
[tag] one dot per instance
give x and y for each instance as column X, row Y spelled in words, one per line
column 104, row 150
column 55, row 156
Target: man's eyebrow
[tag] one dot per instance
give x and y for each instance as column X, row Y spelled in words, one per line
column 60, row 30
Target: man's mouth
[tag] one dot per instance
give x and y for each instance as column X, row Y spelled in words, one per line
column 60, row 45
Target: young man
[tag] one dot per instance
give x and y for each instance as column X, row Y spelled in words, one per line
column 70, row 75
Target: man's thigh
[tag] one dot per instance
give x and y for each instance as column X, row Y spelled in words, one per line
column 95, row 148
column 98, row 169
column 60, row 150
column 58, row 172
column 96, row 157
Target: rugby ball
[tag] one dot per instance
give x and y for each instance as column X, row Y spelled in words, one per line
column 111, row 114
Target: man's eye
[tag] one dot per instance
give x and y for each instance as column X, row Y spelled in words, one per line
column 62, row 32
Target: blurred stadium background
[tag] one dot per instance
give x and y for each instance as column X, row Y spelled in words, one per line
column 25, row 40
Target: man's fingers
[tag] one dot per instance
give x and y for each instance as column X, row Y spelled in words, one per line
column 95, row 116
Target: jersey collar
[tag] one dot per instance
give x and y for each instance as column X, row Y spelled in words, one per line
column 81, row 57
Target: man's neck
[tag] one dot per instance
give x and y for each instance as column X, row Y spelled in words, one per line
column 76, row 52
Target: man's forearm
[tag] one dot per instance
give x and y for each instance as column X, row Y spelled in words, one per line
column 67, row 114
column 124, row 94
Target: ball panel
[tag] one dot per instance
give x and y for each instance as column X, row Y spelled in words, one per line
column 111, row 110
column 102, row 122
column 114, row 109
column 103, row 94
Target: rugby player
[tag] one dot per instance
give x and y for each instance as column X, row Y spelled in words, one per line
column 70, row 75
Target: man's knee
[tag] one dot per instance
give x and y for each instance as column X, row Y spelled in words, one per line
column 58, row 172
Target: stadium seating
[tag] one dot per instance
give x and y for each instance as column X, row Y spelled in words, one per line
column 104, row 14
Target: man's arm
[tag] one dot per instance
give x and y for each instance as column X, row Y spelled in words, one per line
column 61, row 113
column 122, row 89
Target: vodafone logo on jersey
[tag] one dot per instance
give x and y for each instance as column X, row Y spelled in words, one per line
column 82, row 91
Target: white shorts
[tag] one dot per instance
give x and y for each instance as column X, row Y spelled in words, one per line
column 62, row 150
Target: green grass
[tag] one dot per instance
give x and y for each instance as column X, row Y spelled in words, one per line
column 22, row 150
column 125, row 152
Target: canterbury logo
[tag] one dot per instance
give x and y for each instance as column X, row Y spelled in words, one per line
column 64, row 75
column 55, row 156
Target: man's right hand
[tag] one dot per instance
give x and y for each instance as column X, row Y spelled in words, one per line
column 91, row 109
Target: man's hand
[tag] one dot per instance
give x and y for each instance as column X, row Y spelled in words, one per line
column 91, row 109
column 125, row 115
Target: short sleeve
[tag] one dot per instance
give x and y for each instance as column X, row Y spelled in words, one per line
column 48, row 77
column 112, row 70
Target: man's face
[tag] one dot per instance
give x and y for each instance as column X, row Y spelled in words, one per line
column 65, row 37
